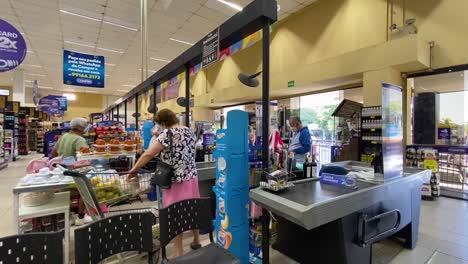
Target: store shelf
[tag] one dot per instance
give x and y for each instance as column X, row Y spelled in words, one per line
column 59, row 204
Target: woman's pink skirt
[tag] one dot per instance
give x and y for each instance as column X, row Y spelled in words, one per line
column 181, row 191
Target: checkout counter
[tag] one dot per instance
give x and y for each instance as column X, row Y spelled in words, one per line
column 206, row 180
column 323, row 223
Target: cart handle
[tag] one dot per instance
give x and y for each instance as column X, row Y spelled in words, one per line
column 73, row 174
column 364, row 219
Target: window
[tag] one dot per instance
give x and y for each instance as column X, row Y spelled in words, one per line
column 316, row 111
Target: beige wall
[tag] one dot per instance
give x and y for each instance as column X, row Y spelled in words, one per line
column 444, row 22
column 339, row 42
column 328, row 44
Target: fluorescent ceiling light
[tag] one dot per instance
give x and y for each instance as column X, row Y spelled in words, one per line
column 30, row 51
column 78, row 15
column 118, row 25
column 79, row 44
column 91, row 46
column 109, row 64
column 31, row 65
column 70, row 96
column 97, row 19
column 148, row 70
column 181, row 41
column 111, row 50
column 231, row 5
column 158, row 59
column 27, row 81
column 35, row 74
column 129, row 85
column 122, row 91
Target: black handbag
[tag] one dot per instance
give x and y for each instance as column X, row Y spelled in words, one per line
column 164, row 171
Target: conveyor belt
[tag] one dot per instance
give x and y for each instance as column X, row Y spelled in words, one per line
column 308, row 193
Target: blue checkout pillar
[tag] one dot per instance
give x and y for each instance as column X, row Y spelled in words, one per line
column 232, row 185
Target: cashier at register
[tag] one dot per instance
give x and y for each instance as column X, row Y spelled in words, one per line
column 300, row 142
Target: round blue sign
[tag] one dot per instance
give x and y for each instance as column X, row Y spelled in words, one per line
column 12, row 47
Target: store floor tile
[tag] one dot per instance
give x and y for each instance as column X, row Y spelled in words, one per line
column 441, row 258
column 418, row 255
column 443, row 235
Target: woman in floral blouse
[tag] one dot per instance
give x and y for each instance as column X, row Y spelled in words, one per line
column 182, row 157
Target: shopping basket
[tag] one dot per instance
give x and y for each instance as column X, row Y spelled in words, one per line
column 117, row 183
column 98, row 188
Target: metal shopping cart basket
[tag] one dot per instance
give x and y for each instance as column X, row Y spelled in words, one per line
column 114, row 187
column 98, row 188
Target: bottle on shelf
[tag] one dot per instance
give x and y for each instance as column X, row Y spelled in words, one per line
column 310, row 167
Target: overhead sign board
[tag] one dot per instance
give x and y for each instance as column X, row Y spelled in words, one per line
column 83, row 69
column 54, row 105
column 210, row 48
column 12, row 47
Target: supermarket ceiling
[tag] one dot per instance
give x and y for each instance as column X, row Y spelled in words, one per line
column 110, row 28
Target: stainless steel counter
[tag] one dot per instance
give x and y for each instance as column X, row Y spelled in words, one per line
column 310, row 204
column 206, row 170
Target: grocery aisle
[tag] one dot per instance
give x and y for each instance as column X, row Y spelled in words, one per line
column 8, row 179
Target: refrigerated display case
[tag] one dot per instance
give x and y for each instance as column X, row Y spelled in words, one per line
column 23, row 144
column 10, row 126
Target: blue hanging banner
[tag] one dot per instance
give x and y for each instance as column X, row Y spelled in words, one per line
column 55, row 105
column 12, row 47
column 83, row 69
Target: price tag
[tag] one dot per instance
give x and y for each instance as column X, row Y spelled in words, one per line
column 430, row 164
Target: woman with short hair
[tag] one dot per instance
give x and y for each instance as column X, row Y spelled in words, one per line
column 182, row 157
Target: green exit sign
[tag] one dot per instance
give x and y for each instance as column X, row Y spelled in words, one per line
column 291, row 83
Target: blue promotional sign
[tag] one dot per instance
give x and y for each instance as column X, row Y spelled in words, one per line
column 338, row 180
column 55, row 105
column 12, row 47
column 208, row 140
column 83, row 69
column 444, row 133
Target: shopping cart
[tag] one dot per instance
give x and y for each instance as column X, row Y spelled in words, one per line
column 120, row 187
column 101, row 189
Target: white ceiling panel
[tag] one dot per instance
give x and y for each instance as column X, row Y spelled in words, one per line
column 34, row 4
column 199, row 24
column 212, row 14
column 88, row 7
column 222, row 8
column 182, row 5
column 108, row 24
